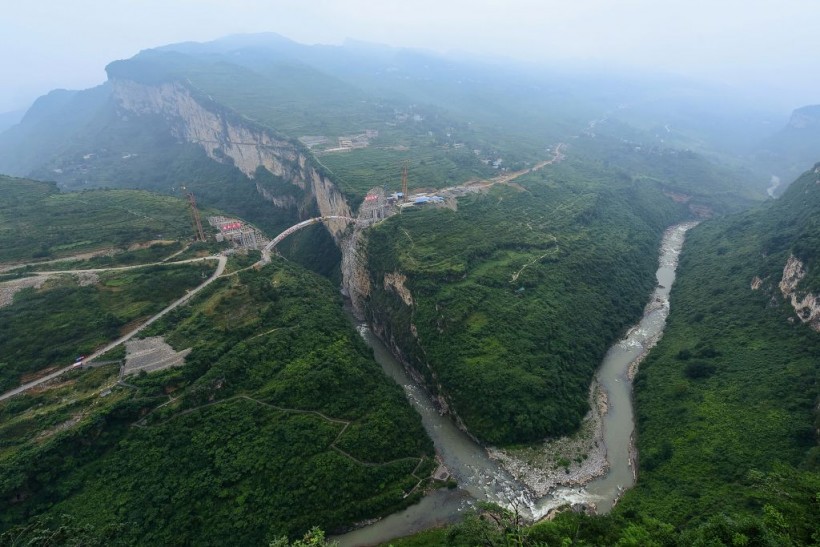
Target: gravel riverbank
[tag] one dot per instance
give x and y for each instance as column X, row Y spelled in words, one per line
column 566, row 461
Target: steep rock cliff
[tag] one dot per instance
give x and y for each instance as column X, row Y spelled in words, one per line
column 355, row 274
column 227, row 137
column 806, row 305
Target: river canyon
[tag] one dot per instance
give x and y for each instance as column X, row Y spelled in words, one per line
column 503, row 477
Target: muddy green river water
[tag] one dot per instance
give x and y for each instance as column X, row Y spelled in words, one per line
column 481, row 478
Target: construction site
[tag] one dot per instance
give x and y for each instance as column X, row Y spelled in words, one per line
column 233, row 230
column 377, row 205
column 238, row 233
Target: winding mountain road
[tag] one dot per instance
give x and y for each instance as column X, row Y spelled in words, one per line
column 558, row 155
column 505, row 178
column 223, row 260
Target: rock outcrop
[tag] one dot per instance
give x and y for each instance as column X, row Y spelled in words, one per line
column 806, row 305
column 227, row 137
column 395, row 282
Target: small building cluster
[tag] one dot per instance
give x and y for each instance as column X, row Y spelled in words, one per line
column 239, row 233
column 354, row 142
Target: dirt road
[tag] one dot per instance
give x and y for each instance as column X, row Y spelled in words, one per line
column 506, row 178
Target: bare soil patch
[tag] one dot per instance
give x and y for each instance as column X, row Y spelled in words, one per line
column 9, row 288
column 150, row 354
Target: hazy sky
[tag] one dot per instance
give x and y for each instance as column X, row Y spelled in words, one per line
column 760, row 45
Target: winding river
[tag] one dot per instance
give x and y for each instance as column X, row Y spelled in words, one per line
column 481, row 478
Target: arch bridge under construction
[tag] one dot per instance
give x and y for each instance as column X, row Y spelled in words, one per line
column 295, row 228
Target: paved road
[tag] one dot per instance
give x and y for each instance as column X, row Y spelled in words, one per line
column 219, row 269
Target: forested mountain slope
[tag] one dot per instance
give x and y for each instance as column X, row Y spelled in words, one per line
column 49, row 127
column 279, row 420
column 507, row 305
column 727, row 403
column 225, row 119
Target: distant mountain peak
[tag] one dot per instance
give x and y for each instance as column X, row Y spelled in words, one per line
column 805, row 117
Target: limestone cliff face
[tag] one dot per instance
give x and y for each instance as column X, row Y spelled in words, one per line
column 390, row 310
column 225, row 138
column 806, row 305
column 283, row 202
column 386, row 301
column 355, row 273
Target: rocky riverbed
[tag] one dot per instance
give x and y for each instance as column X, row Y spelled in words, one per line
column 567, row 461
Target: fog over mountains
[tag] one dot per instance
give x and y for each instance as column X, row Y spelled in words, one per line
column 561, row 260
column 763, row 51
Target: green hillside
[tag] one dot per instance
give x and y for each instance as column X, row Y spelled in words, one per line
column 696, row 179
column 279, row 420
column 726, row 403
column 518, row 293
column 37, row 221
column 731, row 391
column 69, row 316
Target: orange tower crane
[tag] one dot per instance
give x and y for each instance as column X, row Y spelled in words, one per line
column 200, row 235
column 405, row 197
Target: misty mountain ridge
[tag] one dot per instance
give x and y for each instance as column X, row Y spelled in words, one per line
column 9, row 119
column 557, row 187
column 795, row 147
column 807, row 117
column 334, row 90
